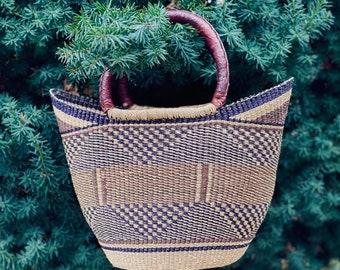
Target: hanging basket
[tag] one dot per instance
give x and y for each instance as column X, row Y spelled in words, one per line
column 174, row 188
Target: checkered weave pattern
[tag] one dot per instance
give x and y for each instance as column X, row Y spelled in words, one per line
column 185, row 193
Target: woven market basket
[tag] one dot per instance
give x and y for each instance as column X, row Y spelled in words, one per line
column 174, row 188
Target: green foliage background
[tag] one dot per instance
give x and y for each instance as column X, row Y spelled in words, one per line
column 42, row 43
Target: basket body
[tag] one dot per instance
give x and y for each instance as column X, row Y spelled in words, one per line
column 179, row 193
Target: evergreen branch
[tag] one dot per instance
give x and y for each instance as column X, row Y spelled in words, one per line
column 7, row 5
column 316, row 9
column 37, row 147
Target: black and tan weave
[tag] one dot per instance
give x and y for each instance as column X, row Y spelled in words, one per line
column 185, row 193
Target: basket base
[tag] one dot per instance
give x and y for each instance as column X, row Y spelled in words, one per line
column 184, row 260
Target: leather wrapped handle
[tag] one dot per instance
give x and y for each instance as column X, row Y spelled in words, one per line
column 214, row 45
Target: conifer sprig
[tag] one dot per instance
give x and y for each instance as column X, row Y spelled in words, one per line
column 127, row 40
column 132, row 40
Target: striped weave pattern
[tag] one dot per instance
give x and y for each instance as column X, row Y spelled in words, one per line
column 185, row 193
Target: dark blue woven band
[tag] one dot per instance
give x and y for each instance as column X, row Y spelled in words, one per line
column 174, row 249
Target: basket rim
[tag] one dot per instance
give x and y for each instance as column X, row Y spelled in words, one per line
column 88, row 108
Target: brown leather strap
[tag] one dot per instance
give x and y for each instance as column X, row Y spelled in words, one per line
column 123, row 92
column 215, row 46
column 213, row 43
column 105, row 96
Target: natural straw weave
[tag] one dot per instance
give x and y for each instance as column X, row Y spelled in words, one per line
column 185, row 193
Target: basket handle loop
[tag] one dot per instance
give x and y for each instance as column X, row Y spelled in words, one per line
column 213, row 43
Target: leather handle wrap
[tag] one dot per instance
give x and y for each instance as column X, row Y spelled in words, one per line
column 213, row 43
column 105, row 96
column 215, row 46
